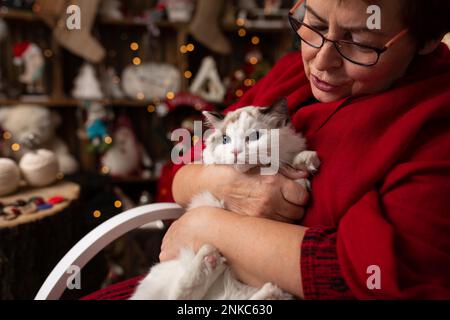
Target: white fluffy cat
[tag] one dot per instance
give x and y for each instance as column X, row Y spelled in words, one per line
column 235, row 141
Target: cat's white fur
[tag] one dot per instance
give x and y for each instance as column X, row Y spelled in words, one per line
column 201, row 276
column 205, row 275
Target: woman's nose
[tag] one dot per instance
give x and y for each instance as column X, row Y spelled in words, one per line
column 328, row 57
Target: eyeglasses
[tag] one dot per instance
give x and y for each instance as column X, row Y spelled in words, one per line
column 357, row 53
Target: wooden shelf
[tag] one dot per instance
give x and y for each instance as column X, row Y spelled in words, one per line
column 21, row 15
column 77, row 103
column 140, row 22
column 250, row 27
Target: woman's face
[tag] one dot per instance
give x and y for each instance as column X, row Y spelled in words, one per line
column 332, row 77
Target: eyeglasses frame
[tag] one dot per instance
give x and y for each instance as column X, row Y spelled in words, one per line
column 336, row 43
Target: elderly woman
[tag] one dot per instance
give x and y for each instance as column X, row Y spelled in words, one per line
column 375, row 105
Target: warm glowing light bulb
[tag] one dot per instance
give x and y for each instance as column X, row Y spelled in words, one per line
column 137, row 61
column 170, row 95
column 134, row 46
column 190, row 47
column 97, row 214
column 15, row 147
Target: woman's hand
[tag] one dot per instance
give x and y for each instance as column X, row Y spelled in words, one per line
column 277, row 197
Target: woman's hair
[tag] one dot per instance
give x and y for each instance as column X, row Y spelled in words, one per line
column 427, row 19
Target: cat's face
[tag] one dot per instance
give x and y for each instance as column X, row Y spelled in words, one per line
column 247, row 137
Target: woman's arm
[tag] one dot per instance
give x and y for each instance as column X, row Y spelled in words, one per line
column 258, row 250
column 275, row 197
column 193, row 179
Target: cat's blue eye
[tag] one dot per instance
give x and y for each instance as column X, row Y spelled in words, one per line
column 226, row 139
column 254, row 136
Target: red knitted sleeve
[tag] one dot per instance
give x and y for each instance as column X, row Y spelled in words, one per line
column 321, row 274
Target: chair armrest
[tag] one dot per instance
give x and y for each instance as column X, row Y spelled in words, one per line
column 98, row 239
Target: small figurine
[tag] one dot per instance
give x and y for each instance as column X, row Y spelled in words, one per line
column 30, row 55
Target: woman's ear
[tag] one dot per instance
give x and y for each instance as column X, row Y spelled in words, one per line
column 430, row 46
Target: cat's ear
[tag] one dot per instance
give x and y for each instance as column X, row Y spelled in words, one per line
column 278, row 112
column 213, row 118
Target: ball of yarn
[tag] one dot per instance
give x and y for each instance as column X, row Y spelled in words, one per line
column 9, row 176
column 39, row 168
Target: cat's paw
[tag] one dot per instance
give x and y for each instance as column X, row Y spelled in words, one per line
column 271, row 292
column 211, row 258
column 307, row 160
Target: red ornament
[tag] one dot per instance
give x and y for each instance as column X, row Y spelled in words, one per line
column 56, row 200
column 20, row 48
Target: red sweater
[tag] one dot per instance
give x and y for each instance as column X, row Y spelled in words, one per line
column 382, row 195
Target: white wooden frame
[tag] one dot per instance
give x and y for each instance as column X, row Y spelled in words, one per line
column 98, row 239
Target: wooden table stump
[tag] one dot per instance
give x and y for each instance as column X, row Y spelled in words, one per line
column 32, row 245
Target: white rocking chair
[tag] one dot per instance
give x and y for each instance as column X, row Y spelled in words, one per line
column 98, row 239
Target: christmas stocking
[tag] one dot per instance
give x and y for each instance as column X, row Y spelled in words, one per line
column 81, row 42
column 205, row 27
column 50, row 10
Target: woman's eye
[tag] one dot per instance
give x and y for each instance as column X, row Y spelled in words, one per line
column 320, row 28
column 226, row 139
column 254, row 136
column 362, row 42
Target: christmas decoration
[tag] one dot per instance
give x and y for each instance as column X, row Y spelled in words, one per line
column 111, row 84
column 39, row 168
column 110, row 9
column 207, row 83
column 265, row 14
column 272, row 6
column 33, row 127
column 150, row 81
column 9, row 176
column 205, row 27
column 12, row 210
column 50, row 10
column 30, row 56
column 86, row 84
column 97, row 127
column 179, row 10
column 80, row 41
column 189, row 100
column 127, row 157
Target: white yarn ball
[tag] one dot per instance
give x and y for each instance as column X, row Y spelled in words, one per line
column 39, row 168
column 9, row 176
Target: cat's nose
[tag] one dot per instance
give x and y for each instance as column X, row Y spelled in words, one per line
column 235, row 152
